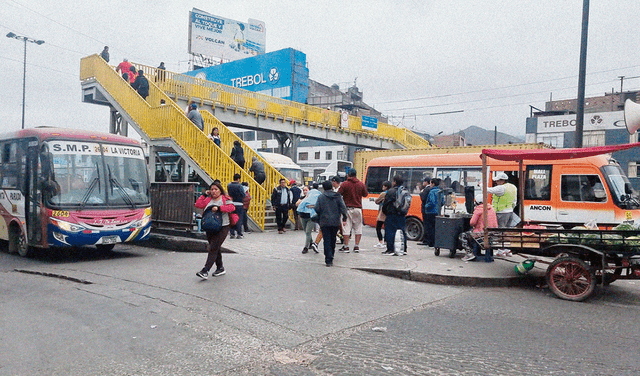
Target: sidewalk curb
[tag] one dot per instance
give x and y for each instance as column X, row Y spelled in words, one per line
column 178, row 244
column 450, row 280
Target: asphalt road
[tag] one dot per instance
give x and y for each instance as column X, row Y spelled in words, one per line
column 141, row 311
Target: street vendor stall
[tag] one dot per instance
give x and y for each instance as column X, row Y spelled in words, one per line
column 581, row 257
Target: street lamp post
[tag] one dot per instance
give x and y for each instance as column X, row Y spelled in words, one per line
column 24, row 65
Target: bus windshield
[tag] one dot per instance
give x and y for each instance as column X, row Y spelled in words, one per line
column 623, row 195
column 117, row 177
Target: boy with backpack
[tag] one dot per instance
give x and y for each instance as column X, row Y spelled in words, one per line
column 431, row 209
column 396, row 206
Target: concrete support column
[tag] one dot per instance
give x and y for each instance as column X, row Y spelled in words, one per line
column 288, row 145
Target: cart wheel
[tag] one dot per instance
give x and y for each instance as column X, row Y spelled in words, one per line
column 452, row 253
column 436, row 251
column 571, row 279
column 609, row 275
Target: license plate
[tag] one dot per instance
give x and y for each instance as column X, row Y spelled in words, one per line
column 110, row 239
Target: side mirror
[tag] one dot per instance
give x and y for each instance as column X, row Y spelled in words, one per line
column 627, row 188
column 46, row 161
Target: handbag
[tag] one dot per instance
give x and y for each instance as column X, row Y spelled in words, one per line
column 211, row 221
column 233, row 218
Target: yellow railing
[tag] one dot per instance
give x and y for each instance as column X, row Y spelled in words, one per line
column 159, row 117
column 191, row 88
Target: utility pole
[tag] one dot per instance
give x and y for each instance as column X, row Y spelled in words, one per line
column 582, row 74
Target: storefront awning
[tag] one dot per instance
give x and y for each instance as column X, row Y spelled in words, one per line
column 553, row 154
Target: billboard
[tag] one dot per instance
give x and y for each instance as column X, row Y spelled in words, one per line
column 283, row 74
column 224, row 38
column 594, row 121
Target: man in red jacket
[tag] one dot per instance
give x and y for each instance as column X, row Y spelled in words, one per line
column 352, row 191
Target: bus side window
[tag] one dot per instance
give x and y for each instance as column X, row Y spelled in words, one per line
column 537, row 184
column 375, row 177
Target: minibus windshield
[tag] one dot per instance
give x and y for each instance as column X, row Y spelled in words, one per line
column 623, row 194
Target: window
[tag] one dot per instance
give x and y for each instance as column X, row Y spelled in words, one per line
column 583, row 188
column 9, row 167
column 593, row 138
column 317, row 155
column 412, row 177
column 329, row 155
column 375, row 177
column 450, row 178
column 340, row 155
column 537, row 186
column 555, row 140
column 303, row 156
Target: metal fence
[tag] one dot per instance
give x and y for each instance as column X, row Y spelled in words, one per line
column 172, row 204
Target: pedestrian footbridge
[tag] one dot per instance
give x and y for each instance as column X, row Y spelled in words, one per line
column 161, row 122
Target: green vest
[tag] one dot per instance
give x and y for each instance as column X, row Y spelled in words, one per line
column 507, row 200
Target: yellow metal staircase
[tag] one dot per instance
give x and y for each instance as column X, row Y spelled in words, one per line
column 158, row 117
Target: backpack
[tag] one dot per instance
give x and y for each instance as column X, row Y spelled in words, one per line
column 402, row 201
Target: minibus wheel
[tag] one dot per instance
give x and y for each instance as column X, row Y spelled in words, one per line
column 413, row 228
column 18, row 242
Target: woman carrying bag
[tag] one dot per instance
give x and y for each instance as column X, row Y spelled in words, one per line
column 217, row 215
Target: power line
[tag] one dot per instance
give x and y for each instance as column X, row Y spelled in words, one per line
column 39, row 66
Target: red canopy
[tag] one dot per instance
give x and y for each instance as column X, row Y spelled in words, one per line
column 553, row 154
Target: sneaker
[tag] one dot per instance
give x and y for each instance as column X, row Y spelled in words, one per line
column 378, row 245
column 219, row 272
column 356, row 249
column 328, row 264
column 469, row 257
column 305, row 250
column 387, row 253
column 239, row 237
column 280, row 232
column 232, row 236
column 202, row 274
column 314, row 246
column 344, row 249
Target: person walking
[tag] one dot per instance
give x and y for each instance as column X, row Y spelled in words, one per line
column 237, row 154
column 215, row 199
column 296, row 192
column 124, row 68
column 161, row 72
column 195, row 116
column 281, row 199
column 141, row 85
column 395, row 219
column 432, row 209
column 215, row 136
column 105, row 53
column 505, row 197
column 330, row 207
column 236, row 192
column 257, row 167
column 246, row 202
column 381, row 216
column 424, row 195
column 306, row 210
column 352, row 191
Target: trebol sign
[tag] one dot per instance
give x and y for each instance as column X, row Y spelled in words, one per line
column 592, row 122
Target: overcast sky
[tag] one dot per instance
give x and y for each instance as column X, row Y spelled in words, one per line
column 491, row 59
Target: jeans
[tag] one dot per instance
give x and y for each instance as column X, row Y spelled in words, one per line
column 245, row 223
column 282, row 215
column 329, row 234
column 379, row 225
column 215, row 242
column 392, row 224
column 307, row 225
column 238, row 226
column 430, row 229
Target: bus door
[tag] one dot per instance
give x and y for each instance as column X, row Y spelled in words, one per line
column 537, row 194
column 32, row 193
column 583, row 197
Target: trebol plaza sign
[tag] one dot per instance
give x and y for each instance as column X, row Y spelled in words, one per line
column 592, row 122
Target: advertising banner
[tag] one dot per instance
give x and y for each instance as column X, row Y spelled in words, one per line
column 369, row 123
column 224, row 38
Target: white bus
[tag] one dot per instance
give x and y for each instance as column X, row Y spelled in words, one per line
column 335, row 168
column 285, row 165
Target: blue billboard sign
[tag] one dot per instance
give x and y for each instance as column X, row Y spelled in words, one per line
column 283, row 74
column 369, row 122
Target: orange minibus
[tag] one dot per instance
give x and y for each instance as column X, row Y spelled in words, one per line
column 562, row 192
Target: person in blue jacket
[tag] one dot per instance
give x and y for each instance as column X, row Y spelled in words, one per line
column 308, row 214
column 432, row 208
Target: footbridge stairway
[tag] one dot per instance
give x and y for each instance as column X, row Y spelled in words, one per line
column 160, row 121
